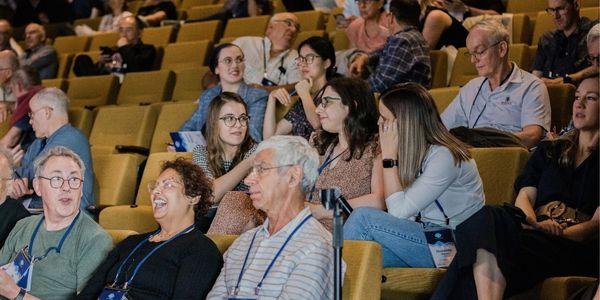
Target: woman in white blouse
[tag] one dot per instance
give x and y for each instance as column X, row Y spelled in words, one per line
column 430, row 180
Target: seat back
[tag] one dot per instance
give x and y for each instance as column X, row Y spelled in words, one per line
column 250, row 26
column 521, row 29
column 188, row 84
column 201, row 12
column 199, row 31
column 303, row 35
column 116, row 176
column 363, row 270
column 340, row 40
column 58, row 83
column 82, row 118
column 107, row 39
column 311, row 20
column 171, row 117
column 71, row 44
column 93, row 23
column 152, row 171
column 125, row 125
column 499, row 168
column 64, row 65
column 124, row 217
column 331, row 24
column 444, row 96
column 185, row 4
column 158, row 36
column 186, row 55
column 92, row 91
column 119, row 235
column 439, row 68
column 146, row 87
column 561, row 103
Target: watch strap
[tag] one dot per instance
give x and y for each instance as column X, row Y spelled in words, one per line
column 21, row 295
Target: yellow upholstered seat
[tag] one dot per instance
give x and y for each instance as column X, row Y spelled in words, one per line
column 127, row 125
column 93, row 23
column 200, row 12
column 311, row 20
column 171, row 117
column 185, row 4
column 561, row 102
column 146, row 87
column 303, row 35
column 124, row 217
column 71, row 44
column 331, row 24
column 499, row 168
column 58, row 83
column 198, row 31
column 64, row 65
column 116, row 175
column 444, row 96
column 119, row 235
column 529, row 58
column 158, row 36
column 521, row 29
column 188, row 84
column 223, row 241
column 250, row 26
column 186, row 55
column 82, row 118
column 92, row 91
column 107, row 39
column 340, row 40
column 439, row 68
column 410, row 283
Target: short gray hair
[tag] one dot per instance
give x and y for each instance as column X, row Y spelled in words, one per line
column 12, row 61
column 26, row 76
column 294, row 150
column 496, row 32
column 58, row 151
column 55, row 98
column 593, row 34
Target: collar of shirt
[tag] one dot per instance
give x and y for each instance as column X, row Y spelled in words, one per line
column 581, row 28
column 57, row 132
column 242, row 90
column 267, row 50
column 406, row 29
column 264, row 229
column 515, row 77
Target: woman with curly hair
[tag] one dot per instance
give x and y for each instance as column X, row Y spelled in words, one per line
column 174, row 262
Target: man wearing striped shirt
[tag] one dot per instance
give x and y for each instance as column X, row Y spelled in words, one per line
column 290, row 255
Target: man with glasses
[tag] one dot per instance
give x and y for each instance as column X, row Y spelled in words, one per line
column 290, row 255
column 50, row 121
column 503, row 97
column 561, row 53
column 593, row 47
column 270, row 59
column 56, row 252
column 130, row 55
column 39, row 55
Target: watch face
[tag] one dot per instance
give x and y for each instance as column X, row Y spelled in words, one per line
column 389, row 163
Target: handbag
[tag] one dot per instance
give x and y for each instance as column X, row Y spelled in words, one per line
column 561, row 213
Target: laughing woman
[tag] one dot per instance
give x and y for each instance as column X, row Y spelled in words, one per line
column 175, row 262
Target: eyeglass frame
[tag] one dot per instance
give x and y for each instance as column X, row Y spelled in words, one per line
column 305, row 59
column 556, row 10
column 259, row 169
column 366, row 2
column 237, row 119
column 153, row 184
column 62, row 182
column 33, row 112
column 326, row 100
column 477, row 55
column 289, row 23
column 237, row 61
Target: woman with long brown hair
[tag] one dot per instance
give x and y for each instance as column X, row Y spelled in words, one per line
column 430, row 180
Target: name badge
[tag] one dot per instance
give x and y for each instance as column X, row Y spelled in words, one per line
column 110, row 293
column 441, row 245
column 20, row 269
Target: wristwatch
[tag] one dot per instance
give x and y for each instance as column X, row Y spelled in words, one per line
column 389, row 163
column 568, row 79
column 21, row 295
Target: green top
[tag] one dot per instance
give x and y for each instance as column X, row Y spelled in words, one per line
column 59, row 276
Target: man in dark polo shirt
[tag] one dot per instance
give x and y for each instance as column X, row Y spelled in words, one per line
column 561, row 53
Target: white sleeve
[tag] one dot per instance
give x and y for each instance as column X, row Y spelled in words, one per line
column 453, row 116
column 438, row 174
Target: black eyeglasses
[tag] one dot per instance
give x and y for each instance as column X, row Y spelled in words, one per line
column 478, row 54
column 57, row 182
column 231, row 120
column 260, row 169
column 228, row 61
column 326, row 100
column 556, row 10
column 289, row 23
column 308, row 59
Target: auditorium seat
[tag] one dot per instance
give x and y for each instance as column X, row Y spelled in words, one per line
column 134, row 6
column 59, row 83
column 311, row 20
column 188, row 84
column 444, row 96
column 303, row 35
column 170, row 118
column 521, row 29
column 92, row 91
column 529, row 58
column 146, row 87
column 94, row 55
column 5, row 126
column 227, row 40
column 158, row 36
column 223, row 241
column 93, row 23
column 119, row 235
column 410, row 283
column 200, row 12
column 544, row 22
column 82, row 118
column 439, row 68
column 185, row 4
column 116, row 176
column 108, row 39
column 561, row 103
column 64, row 65
column 186, row 55
column 125, row 217
column 250, row 26
column 122, row 125
column 339, row 39
column 71, row 44
column 199, row 31
column 331, row 24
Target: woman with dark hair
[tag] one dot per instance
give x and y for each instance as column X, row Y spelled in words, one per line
column 174, row 262
column 225, row 158
column 316, row 63
column 227, row 62
column 555, row 233
column 347, row 143
column 430, row 180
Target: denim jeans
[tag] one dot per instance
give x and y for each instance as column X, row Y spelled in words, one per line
column 402, row 241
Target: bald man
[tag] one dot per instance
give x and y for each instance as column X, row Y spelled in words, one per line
column 39, row 55
column 273, row 51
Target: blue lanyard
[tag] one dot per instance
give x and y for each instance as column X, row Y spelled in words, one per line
column 329, row 160
column 144, row 241
column 418, row 218
column 257, row 289
column 56, row 248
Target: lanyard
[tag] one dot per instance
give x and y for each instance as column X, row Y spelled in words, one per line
column 56, row 248
column 329, row 160
column 257, row 289
column 486, row 102
column 281, row 68
column 144, row 241
column 418, row 218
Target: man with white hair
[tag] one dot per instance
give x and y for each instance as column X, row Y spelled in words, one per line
column 593, row 46
column 9, row 63
column 270, row 61
column 65, row 245
column 39, row 55
column 50, row 121
column 503, row 97
column 290, row 255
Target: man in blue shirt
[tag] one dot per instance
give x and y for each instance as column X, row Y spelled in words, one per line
column 50, row 121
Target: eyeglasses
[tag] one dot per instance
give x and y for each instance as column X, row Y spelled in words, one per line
column 478, row 54
column 592, row 59
column 289, row 23
column 325, row 101
column 33, row 112
column 57, row 182
column 308, row 59
column 556, row 10
column 365, row 2
column 260, row 169
column 228, row 61
column 166, row 184
column 231, row 120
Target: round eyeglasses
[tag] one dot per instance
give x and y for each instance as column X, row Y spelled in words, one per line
column 231, row 120
column 57, row 182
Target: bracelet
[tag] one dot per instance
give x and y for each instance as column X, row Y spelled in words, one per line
column 21, row 295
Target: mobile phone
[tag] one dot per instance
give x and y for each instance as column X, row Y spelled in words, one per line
column 107, row 50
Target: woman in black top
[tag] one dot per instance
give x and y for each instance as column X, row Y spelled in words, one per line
column 498, row 257
column 155, row 11
column 439, row 28
column 181, row 262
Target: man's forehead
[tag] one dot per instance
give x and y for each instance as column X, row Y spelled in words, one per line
column 264, row 156
column 285, row 16
column 61, row 165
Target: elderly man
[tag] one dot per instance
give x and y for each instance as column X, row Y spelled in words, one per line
column 561, row 53
column 593, row 46
column 503, row 97
column 132, row 55
column 50, row 121
column 39, row 55
column 405, row 55
column 65, row 244
column 269, row 59
column 11, row 210
column 284, row 172
column 25, row 83
column 8, row 64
